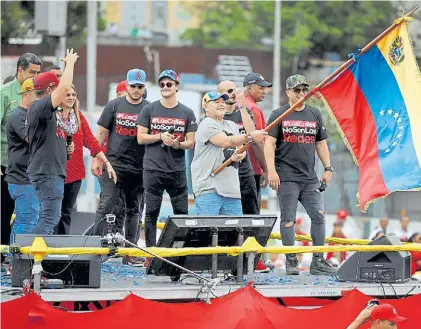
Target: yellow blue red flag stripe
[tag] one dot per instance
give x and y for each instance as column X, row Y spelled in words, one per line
column 377, row 105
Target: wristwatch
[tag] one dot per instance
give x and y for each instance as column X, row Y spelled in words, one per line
column 329, row 169
column 249, row 138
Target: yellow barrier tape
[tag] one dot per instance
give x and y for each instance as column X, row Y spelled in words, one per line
column 277, row 236
column 250, row 245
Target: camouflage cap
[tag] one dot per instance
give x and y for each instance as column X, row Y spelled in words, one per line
column 296, row 80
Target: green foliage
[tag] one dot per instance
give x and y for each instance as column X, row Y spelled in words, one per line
column 328, row 121
column 13, row 14
column 307, row 26
column 77, row 22
column 12, row 20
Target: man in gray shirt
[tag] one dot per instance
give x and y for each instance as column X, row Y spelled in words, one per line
column 216, row 141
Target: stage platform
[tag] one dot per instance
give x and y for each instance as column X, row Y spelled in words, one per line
column 118, row 281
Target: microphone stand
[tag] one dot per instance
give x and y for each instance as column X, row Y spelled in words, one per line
column 116, row 239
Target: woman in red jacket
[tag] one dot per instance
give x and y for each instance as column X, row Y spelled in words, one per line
column 75, row 167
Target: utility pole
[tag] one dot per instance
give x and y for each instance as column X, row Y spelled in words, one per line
column 91, row 46
column 276, row 86
column 91, row 55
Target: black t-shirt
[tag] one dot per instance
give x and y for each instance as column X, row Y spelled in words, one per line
column 159, row 119
column 296, row 138
column 47, row 141
column 18, row 148
column 245, row 169
column 123, row 150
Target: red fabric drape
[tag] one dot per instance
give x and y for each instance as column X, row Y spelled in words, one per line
column 244, row 308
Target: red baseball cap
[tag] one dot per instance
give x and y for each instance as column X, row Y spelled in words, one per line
column 44, row 80
column 342, row 214
column 122, row 86
column 386, row 312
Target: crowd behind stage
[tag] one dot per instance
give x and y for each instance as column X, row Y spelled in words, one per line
column 138, row 153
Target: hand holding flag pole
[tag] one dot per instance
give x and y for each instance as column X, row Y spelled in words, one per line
column 314, row 91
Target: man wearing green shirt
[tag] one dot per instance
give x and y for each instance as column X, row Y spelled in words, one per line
column 28, row 65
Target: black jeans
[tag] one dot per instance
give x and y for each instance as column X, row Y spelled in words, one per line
column 156, row 182
column 249, row 196
column 258, row 179
column 7, row 208
column 289, row 193
column 68, row 205
column 119, row 208
column 131, row 186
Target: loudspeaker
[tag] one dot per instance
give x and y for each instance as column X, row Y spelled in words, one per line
column 182, row 231
column 75, row 271
column 378, row 266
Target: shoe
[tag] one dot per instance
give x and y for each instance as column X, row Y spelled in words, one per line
column 319, row 266
column 292, row 265
column 9, row 269
column 147, row 262
column 133, row 261
column 261, row 267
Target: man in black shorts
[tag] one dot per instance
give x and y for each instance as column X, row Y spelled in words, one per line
column 290, row 157
column 167, row 128
column 118, row 121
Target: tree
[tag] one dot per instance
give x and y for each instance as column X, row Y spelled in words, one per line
column 14, row 13
column 308, row 27
column 12, row 20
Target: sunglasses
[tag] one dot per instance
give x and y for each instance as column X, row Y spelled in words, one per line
column 299, row 90
column 230, row 91
column 137, row 86
column 72, row 95
column 168, row 84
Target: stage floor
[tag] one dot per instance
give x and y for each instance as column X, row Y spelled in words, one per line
column 117, row 281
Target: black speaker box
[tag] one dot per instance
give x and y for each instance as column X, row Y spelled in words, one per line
column 378, row 266
column 75, row 271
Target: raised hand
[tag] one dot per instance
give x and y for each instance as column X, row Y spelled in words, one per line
column 71, row 56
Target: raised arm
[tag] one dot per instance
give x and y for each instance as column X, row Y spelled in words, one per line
column 59, row 94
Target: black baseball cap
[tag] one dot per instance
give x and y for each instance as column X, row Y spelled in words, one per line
column 254, row 78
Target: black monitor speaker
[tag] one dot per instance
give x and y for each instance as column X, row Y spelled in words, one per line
column 75, row 271
column 378, row 266
column 183, row 231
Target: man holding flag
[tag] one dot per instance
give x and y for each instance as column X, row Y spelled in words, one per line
column 290, row 157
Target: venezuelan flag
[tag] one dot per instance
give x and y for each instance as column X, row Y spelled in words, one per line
column 377, row 104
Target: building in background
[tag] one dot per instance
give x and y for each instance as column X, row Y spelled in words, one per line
column 150, row 19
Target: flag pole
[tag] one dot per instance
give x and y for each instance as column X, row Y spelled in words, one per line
column 339, row 70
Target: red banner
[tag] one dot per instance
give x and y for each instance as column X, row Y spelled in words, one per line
column 244, row 308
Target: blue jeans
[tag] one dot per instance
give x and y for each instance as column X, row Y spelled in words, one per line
column 26, row 209
column 215, row 204
column 49, row 190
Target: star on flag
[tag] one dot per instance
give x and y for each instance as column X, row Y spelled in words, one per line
column 397, row 126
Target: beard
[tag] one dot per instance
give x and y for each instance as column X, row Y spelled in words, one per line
column 135, row 96
column 230, row 102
